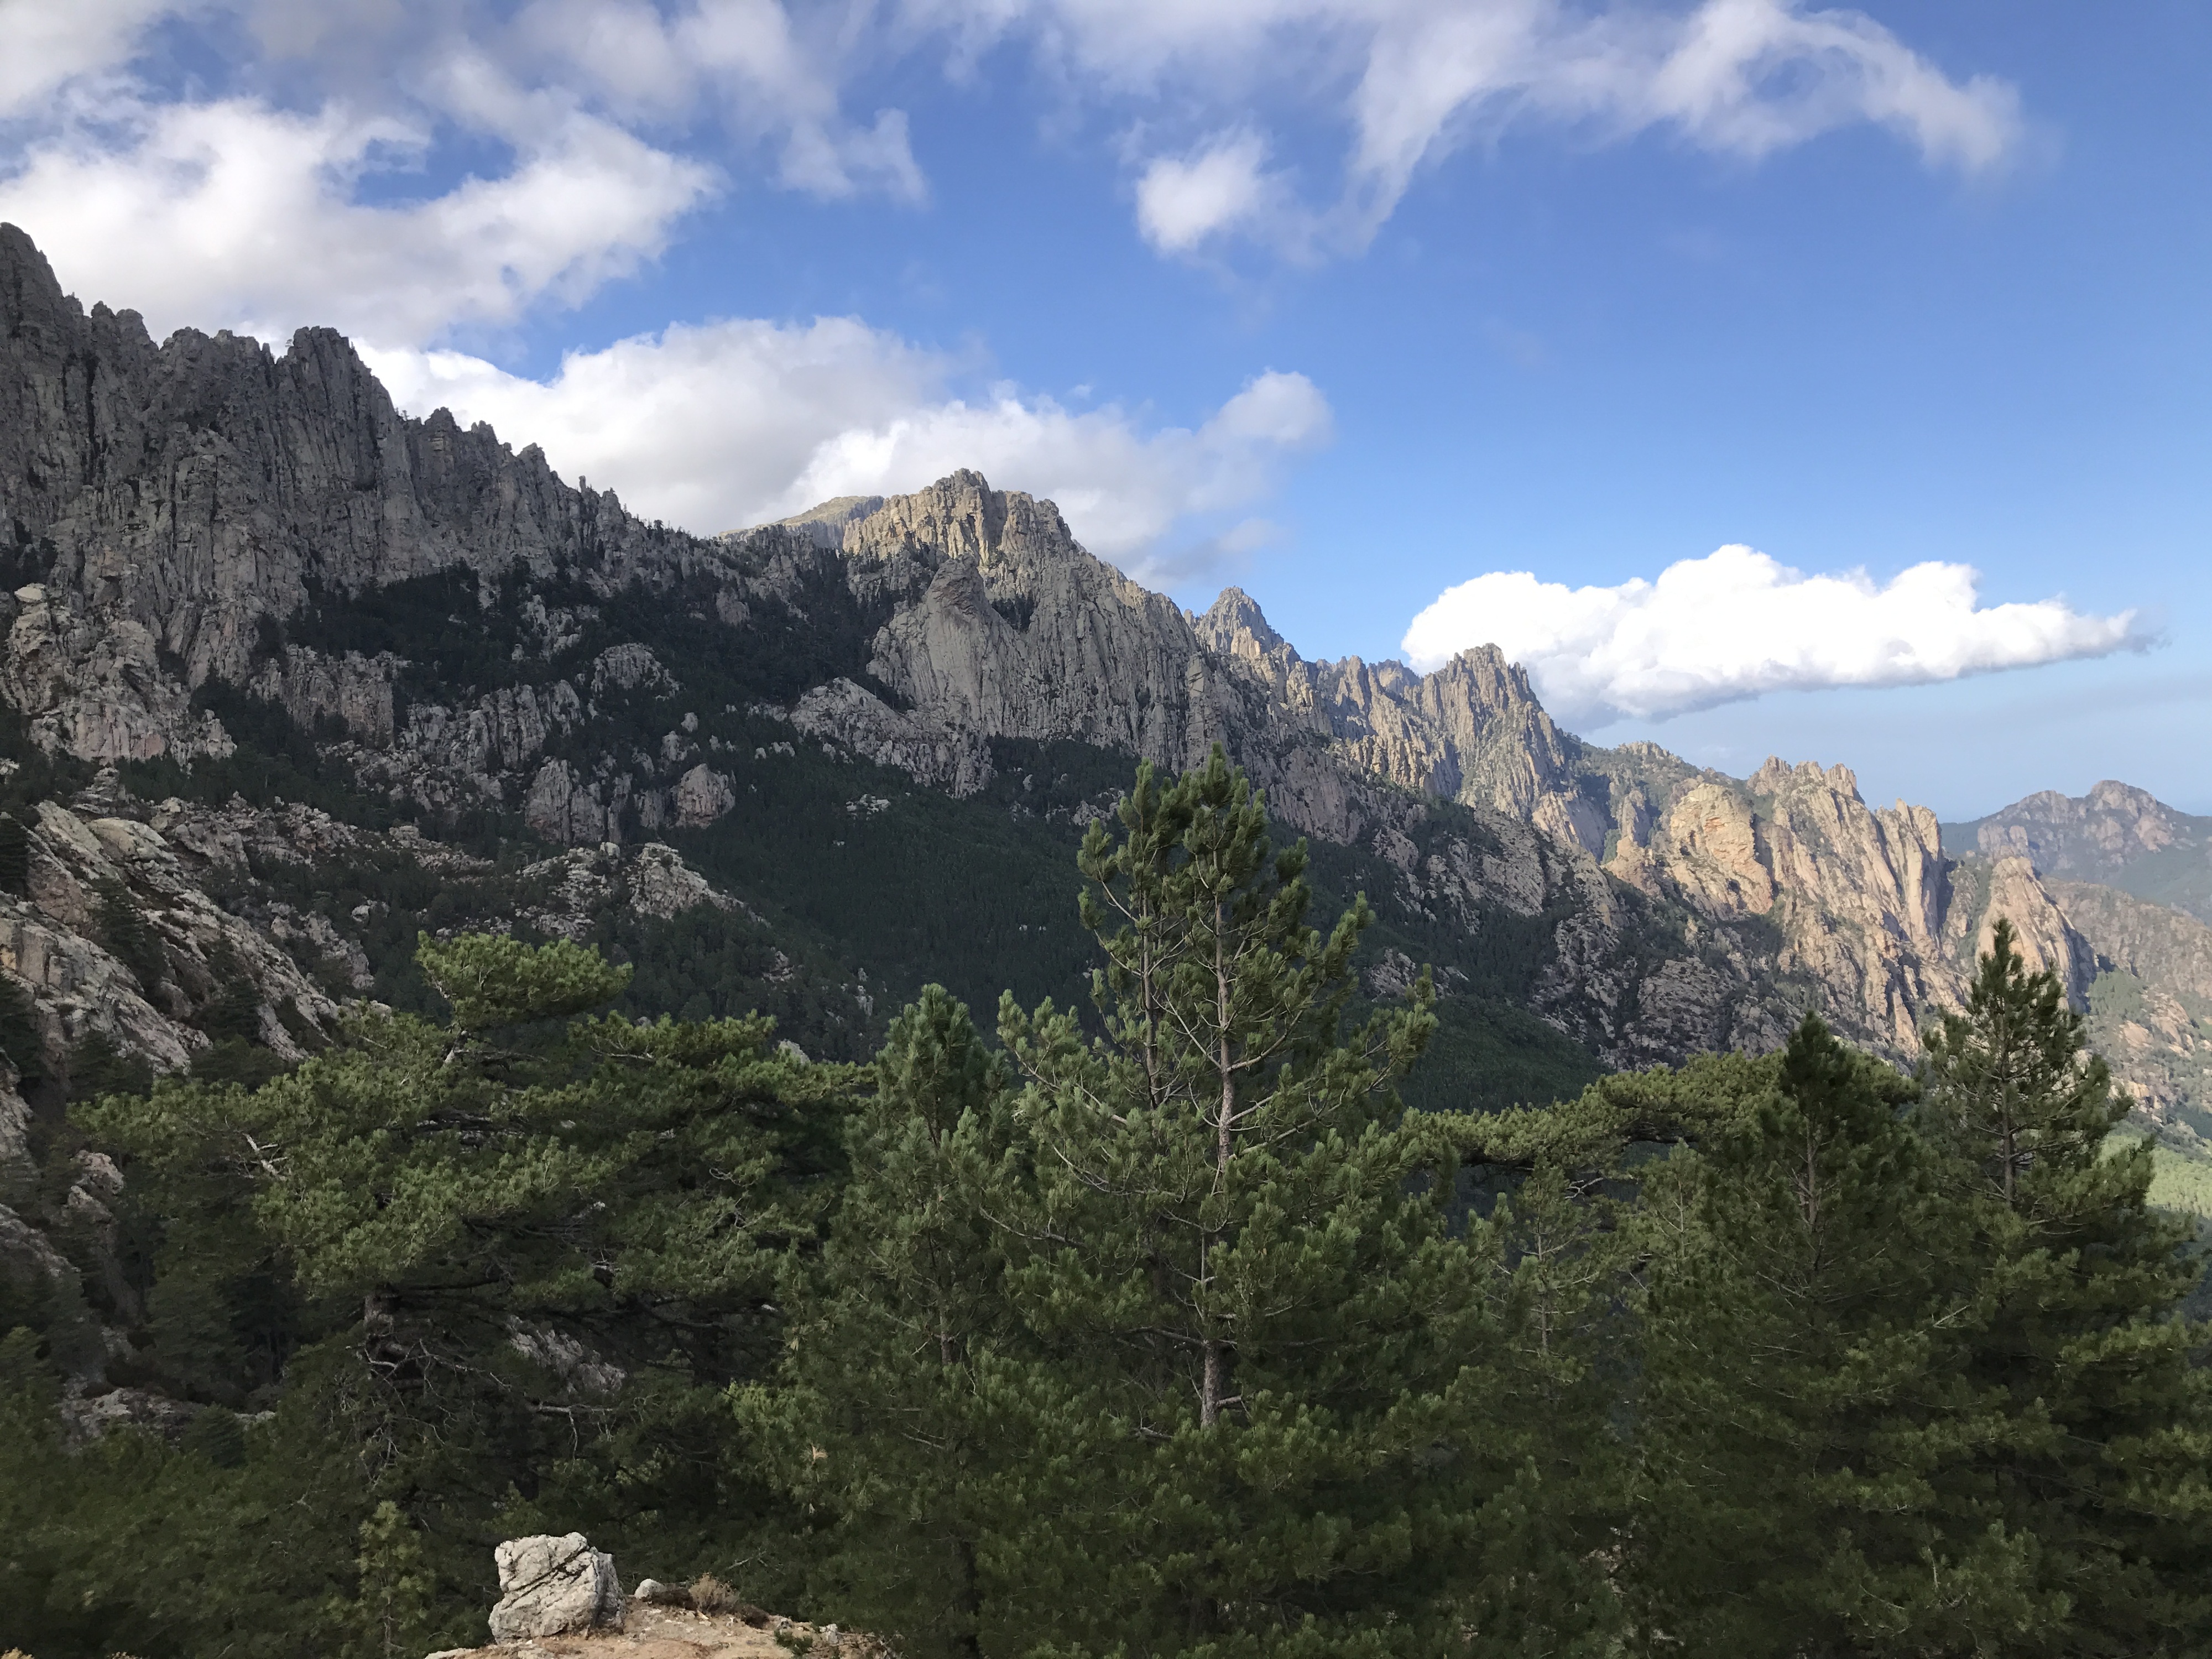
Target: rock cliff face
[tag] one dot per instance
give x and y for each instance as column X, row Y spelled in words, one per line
column 200, row 530
column 2121, row 836
column 167, row 498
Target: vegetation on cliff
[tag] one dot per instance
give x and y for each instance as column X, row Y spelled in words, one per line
column 1161, row 1326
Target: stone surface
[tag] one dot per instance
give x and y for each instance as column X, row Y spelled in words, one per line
column 77, row 988
column 172, row 506
column 550, row 1586
column 652, row 1632
column 852, row 718
column 702, row 795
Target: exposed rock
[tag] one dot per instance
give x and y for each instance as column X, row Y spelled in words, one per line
column 657, row 1629
column 701, row 796
column 629, row 667
column 551, row 1586
column 88, row 1417
column 564, row 806
column 661, row 885
column 15, row 1128
column 174, row 501
column 2047, row 942
column 77, row 987
column 250, row 475
column 2089, row 837
column 355, row 690
column 958, row 762
column 95, row 685
column 2157, row 945
column 26, row 1254
column 446, row 757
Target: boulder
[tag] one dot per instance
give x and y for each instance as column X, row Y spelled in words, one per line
column 554, row 1586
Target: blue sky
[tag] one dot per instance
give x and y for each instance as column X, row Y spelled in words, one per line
column 1352, row 302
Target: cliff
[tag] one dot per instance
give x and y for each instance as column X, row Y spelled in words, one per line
column 208, row 537
column 2121, row 836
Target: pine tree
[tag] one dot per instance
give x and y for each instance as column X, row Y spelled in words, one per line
column 392, row 1615
column 2072, row 1283
column 1799, row 1397
column 540, row 1245
column 885, row 1416
column 1242, row 1429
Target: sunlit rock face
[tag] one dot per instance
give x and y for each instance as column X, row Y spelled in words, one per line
column 174, row 517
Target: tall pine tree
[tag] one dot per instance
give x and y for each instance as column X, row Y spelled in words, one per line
column 885, row 1419
column 2072, row 1284
column 1801, row 1394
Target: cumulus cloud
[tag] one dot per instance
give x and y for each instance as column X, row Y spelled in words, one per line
column 1221, row 186
column 49, row 44
column 1417, row 79
column 1737, row 623
column 714, row 86
column 284, row 196
column 235, row 214
column 742, row 422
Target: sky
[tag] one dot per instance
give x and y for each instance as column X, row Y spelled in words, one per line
column 1768, row 378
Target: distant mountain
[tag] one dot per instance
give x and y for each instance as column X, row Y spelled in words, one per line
column 348, row 673
column 2121, row 835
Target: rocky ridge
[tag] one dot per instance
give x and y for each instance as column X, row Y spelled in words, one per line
column 207, row 526
column 2116, row 835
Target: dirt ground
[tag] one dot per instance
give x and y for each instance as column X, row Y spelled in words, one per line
column 651, row 1633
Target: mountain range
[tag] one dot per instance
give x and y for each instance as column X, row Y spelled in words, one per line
column 288, row 675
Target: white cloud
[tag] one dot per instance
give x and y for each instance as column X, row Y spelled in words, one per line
column 45, row 44
column 1737, row 624
column 281, row 201
column 742, row 422
column 1222, row 186
column 236, row 215
column 569, row 83
column 759, row 70
column 1414, row 79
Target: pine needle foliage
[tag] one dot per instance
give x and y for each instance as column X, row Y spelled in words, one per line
column 1165, row 1333
column 2073, row 1285
column 1801, row 1397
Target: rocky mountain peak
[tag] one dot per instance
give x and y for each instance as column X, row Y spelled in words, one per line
column 962, row 517
column 2113, row 796
column 1777, row 775
column 824, row 526
column 207, row 531
column 2116, row 834
column 1484, row 678
column 1234, row 626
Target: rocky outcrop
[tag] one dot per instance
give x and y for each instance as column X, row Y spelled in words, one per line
column 572, row 808
column 552, row 1586
column 2045, row 936
column 666, row 1621
column 2155, row 943
column 93, row 681
column 189, row 952
column 166, row 515
column 351, row 689
column 2090, row 837
column 853, row 719
column 2121, row 836
column 272, row 475
column 702, row 795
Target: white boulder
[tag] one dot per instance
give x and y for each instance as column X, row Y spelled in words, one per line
column 552, row 1586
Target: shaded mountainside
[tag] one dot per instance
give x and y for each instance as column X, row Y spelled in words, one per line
column 2121, row 837
column 868, row 739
